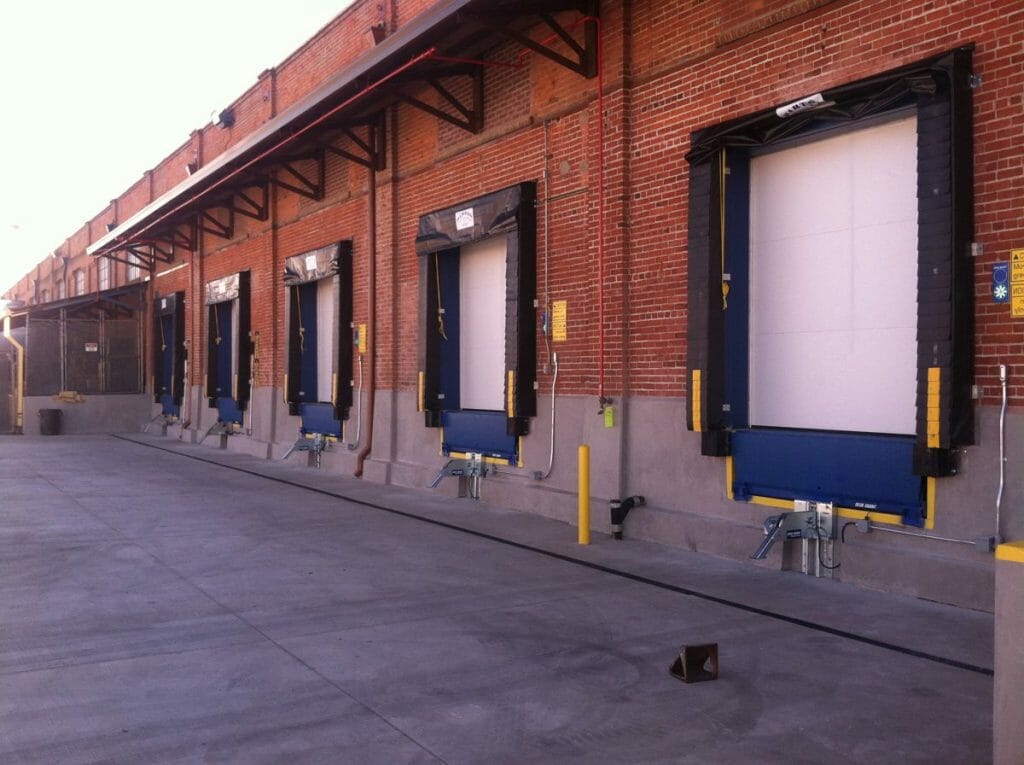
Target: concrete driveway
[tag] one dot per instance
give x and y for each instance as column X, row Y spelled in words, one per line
column 161, row 602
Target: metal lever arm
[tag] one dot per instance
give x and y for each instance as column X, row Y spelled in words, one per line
column 800, row 524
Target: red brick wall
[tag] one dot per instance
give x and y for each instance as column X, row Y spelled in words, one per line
column 336, row 46
column 171, row 170
column 837, row 43
column 669, row 69
column 134, row 199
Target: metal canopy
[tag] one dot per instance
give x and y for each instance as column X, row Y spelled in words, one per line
column 344, row 117
column 111, row 302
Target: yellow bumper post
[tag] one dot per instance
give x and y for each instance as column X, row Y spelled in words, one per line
column 584, row 494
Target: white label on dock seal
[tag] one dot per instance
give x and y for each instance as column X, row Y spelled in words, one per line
column 464, row 219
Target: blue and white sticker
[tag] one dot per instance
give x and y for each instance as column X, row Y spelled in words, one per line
column 1001, row 282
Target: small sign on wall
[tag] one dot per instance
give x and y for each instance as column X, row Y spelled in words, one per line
column 1016, row 283
column 1017, row 300
column 1001, row 282
column 92, row 347
column 559, row 321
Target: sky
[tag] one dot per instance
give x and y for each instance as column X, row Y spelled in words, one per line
column 97, row 92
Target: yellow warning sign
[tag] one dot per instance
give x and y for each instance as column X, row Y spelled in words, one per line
column 1017, row 266
column 1017, row 300
column 559, row 321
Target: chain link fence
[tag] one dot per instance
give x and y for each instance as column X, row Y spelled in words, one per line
column 85, row 355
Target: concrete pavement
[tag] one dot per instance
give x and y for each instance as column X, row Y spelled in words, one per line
column 163, row 602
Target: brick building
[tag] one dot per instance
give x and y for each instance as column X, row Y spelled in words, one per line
column 748, row 252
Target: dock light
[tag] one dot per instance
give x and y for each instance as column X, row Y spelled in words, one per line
column 225, row 118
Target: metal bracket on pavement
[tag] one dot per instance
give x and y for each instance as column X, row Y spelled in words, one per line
column 315, row 445
column 472, row 469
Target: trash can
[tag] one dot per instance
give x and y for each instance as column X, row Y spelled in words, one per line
column 49, row 422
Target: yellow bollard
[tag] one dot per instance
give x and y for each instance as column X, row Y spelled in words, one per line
column 584, row 494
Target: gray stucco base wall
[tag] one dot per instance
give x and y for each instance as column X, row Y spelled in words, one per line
column 688, row 507
column 106, row 413
column 1008, row 701
column 648, row 451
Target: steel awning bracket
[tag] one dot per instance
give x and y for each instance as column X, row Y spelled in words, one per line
column 297, row 179
column 143, row 255
column 126, row 261
column 369, row 151
column 581, row 56
column 183, row 235
column 468, row 116
column 206, row 221
column 252, row 202
column 161, row 251
column 113, row 307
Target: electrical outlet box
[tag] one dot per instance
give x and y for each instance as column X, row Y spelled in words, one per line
column 821, row 519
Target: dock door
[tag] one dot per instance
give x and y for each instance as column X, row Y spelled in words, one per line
column 228, row 346
column 318, row 386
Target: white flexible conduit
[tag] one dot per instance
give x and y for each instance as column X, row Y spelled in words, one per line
column 551, row 453
column 1002, row 449
column 252, row 385
column 359, row 406
column 186, row 418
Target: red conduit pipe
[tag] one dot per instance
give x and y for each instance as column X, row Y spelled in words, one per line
column 600, row 214
column 480, row 62
column 371, row 322
column 600, row 193
column 429, row 53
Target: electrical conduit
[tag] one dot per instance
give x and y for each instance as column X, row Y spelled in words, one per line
column 359, row 406
column 551, row 452
column 1002, row 452
column 602, row 401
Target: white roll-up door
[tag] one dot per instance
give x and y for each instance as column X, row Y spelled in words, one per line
column 325, row 339
column 482, row 324
column 833, row 282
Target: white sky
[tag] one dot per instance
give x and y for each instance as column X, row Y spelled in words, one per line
column 96, row 92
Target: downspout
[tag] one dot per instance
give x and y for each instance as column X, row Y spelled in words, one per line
column 371, row 320
column 201, row 343
column 19, row 406
column 190, row 344
column 148, row 344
